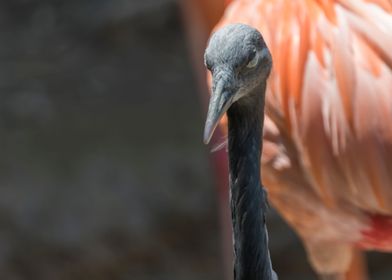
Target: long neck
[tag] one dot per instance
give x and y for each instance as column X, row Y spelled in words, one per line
column 248, row 201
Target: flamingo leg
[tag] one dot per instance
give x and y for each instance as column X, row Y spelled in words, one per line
column 356, row 271
column 338, row 276
column 358, row 267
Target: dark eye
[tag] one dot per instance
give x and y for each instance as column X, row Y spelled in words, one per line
column 253, row 62
column 252, row 54
column 208, row 65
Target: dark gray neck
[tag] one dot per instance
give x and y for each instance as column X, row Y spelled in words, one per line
column 248, row 201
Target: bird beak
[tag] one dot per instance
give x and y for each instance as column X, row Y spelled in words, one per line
column 220, row 102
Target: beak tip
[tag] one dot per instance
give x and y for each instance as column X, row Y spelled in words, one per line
column 207, row 136
column 219, row 103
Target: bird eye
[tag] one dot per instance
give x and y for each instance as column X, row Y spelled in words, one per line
column 208, row 64
column 253, row 62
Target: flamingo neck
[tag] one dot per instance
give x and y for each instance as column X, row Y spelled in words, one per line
column 248, row 200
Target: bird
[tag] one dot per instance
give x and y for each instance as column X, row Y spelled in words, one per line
column 240, row 63
column 327, row 134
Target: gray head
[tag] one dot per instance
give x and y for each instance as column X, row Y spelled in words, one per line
column 239, row 61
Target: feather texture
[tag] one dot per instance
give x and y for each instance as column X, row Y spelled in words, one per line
column 327, row 156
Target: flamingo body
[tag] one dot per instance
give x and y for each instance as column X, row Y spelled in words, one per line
column 327, row 154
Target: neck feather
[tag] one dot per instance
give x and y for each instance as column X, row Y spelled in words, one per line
column 248, row 201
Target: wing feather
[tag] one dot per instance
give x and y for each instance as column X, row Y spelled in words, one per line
column 329, row 96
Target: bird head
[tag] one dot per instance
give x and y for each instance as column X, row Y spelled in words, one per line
column 239, row 61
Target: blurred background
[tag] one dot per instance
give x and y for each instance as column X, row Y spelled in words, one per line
column 103, row 174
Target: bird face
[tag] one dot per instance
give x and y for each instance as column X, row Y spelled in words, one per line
column 239, row 61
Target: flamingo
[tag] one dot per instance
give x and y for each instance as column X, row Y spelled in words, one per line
column 327, row 153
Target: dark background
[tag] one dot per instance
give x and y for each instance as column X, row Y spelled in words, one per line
column 103, row 174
